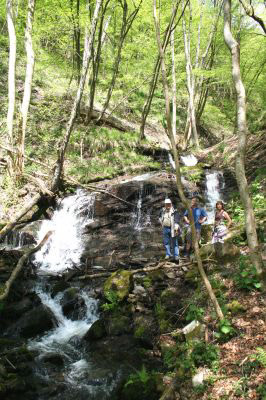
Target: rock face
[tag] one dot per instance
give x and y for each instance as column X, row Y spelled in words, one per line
column 130, row 230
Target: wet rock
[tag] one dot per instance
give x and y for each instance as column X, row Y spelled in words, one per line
column 170, row 299
column 53, row 358
column 120, row 283
column 58, row 287
column 118, row 325
column 96, row 331
column 145, row 329
column 32, row 323
column 73, row 304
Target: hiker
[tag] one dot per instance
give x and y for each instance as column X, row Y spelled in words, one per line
column 220, row 230
column 199, row 216
column 169, row 219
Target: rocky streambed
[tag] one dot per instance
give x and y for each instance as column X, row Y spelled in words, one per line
column 69, row 336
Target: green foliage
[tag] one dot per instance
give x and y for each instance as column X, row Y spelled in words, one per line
column 187, row 357
column 260, row 356
column 246, row 276
column 225, row 331
column 143, row 376
column 194, row 312
column 113, row 301
column 204, row 354
column 261, row 390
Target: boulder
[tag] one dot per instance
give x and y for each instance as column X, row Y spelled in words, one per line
column 120, row 283
column 34, row 322
column 96, row 331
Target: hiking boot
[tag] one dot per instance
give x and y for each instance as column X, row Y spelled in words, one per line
column 176, row 260
column 167, row 257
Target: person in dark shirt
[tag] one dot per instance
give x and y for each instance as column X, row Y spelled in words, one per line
column 199, row 216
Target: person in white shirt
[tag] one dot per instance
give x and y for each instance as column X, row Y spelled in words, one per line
column 169, row 220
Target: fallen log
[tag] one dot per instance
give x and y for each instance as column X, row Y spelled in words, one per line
column 136, row 271
column 20, row 265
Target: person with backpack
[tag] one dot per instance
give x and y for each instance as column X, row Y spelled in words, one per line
column 169, row 219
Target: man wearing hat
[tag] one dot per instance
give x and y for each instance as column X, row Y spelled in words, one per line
column 169, row 219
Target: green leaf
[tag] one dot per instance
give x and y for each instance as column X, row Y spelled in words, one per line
column 257, row 285
column 225, row 329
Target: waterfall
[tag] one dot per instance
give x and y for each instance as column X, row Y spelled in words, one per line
column 213, row 192
column 189, row 160
column 140, row 218
column 64, row 247
column 64, row 341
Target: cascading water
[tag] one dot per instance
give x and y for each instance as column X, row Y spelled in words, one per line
column 62, row 251
column 64, row 247
column 189, row 160
column 140, row 219
column 213, row 192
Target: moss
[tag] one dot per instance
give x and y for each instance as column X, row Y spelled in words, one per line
column 120, row 282
column 235, row 307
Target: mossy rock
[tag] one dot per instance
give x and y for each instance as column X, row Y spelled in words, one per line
column 118, row 325
column 170, row 299
column 156, row 276
column 192, row 275
column 96, row 331
column 145, row 329
column 120, row 282
column 235, row 307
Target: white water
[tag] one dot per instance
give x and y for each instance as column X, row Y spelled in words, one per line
column 140, row 178
column 58, row 340
column 66, row 328
column 64, row 247
column 189, row 160
column 140, row 218
column 213, row 192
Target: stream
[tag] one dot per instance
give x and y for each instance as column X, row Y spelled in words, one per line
column 66, row 363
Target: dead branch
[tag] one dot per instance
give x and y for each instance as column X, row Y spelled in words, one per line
column 20, row 265
column 21, row 214
column 40, row 184
column 136, row 271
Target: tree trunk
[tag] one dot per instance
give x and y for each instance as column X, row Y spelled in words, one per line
column 178, row 174
column 11, row 80
column 156, row 70
column 86, row 60
column 241, row 127
column 190, row 86
column 27, row 89
column 173, row 81
column 96, row 61
column 126, row 25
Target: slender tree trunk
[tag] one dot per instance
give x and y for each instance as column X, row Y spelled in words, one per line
column 241, row 127
column 190, row 86
column 156, row 71
column 96, row 60
column 126, row 25
column 173, row 81
column 178, row 174
column 86, row 60
column 27, row 89
column 11, row 80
